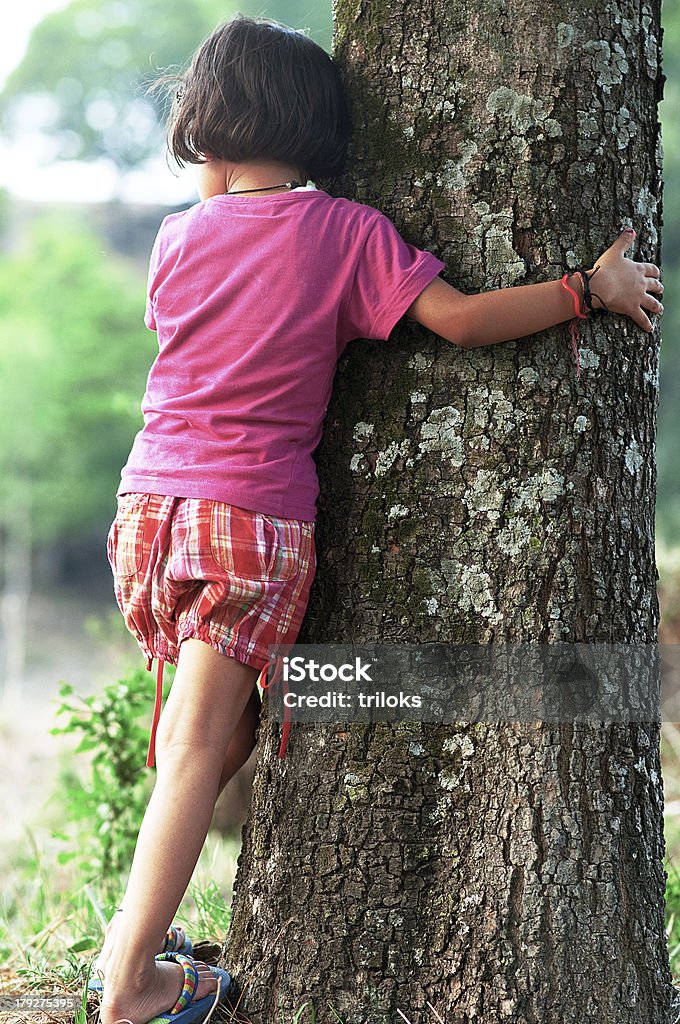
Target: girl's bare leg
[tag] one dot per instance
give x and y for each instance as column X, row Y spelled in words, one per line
column 239, row 750
column 243, row 741
column 206, row 702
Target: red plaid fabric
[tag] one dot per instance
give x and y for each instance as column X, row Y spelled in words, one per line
column 193, row 567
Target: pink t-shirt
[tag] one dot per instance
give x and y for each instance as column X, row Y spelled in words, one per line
column 254, row 299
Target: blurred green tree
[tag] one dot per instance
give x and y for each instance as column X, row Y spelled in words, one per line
column 83, row 80
column 73, row 359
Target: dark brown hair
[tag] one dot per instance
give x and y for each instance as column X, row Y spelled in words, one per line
column 257, row 89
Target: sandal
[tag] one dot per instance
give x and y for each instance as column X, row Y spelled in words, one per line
column 185, row 1009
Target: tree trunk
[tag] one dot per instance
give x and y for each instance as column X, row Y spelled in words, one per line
column 510, row 871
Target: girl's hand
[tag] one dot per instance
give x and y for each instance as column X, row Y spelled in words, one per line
column 625, row 286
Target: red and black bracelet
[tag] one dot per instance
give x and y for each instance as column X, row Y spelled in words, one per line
column 588, row 295
column 578, row 315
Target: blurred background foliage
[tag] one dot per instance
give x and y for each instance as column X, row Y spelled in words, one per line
column 72, row 361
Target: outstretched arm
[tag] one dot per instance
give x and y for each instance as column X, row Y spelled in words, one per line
column 507, row 313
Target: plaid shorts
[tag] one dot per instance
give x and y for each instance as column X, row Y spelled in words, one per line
column 193, row 567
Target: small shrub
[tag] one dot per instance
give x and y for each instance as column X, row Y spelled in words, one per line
column 106, row 808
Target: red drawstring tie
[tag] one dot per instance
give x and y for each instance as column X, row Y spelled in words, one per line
column 278, row 677
column 151, row 755
column 574, row 324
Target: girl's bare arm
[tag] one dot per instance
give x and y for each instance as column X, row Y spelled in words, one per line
column 490, row 317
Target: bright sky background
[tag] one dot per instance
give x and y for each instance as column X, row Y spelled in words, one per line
column 23, row 170
column 16, row 27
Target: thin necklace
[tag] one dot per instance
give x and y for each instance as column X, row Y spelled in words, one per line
column 262, row 188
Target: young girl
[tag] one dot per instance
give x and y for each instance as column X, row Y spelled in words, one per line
column 254, row 293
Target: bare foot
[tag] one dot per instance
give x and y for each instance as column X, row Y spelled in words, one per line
column 110, row 938
column 158, row 994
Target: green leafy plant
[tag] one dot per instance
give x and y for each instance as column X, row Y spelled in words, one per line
column 106, row 808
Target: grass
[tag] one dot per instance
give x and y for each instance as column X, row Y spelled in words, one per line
column 50, row 933
column 37, row 918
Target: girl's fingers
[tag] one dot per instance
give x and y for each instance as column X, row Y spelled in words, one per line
column 643, row 321
column 652, row 297
column 649, row 302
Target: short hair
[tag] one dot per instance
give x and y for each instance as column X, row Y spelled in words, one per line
column 258, row 89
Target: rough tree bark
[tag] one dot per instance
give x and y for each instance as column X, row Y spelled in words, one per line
column 502, row 872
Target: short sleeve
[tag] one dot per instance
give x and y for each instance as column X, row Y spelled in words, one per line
column 390, row 275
